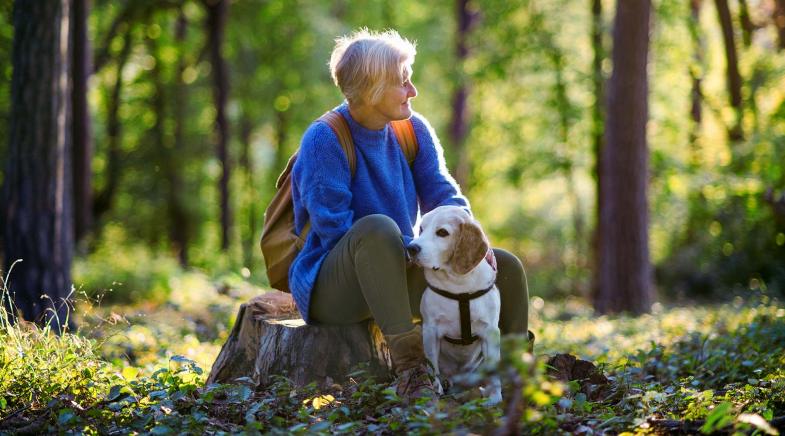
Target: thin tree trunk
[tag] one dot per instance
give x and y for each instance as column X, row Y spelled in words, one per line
column 563, row 107
column 246, row 163
column 217, row 11
column 179, row 224
column 624, row 268
column 281, row 156
column 746, row 23
column 696, row 76
column 697, row 202
column 733, row 77
column 104, row 199
column 82, row 128
column 779, row 21
column 598, row 127
column 459, row 125
column 37, row 191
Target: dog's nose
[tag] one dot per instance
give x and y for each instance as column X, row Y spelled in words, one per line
column 413, row 249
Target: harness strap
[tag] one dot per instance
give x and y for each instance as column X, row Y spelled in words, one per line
column 467, row 338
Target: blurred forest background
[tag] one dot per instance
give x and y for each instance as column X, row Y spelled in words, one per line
column 184, row 112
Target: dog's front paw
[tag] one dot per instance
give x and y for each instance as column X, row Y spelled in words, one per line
column 493, row 392
column 437, row 386
column 495, row 397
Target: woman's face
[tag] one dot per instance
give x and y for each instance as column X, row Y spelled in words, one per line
column 394, row 104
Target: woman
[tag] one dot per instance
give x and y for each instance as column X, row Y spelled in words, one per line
column 353, row 266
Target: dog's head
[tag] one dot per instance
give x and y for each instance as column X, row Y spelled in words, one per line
column 450, row 239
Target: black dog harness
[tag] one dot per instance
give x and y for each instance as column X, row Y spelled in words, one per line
column 467, row 338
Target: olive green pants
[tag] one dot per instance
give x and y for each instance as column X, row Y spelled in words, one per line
column 366, row 276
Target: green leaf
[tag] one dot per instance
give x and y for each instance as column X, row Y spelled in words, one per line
column 130, row 373
column 66, row 417
column 718, row 418
column 3, row 403
column 114, row 393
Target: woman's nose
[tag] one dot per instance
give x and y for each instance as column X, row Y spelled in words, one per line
column 412, row 91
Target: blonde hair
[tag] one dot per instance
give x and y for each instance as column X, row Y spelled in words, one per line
column 364, row 63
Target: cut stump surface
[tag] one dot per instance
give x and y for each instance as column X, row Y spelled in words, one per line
column 269, row 338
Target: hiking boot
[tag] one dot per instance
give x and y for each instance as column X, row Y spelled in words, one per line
column 414, row 376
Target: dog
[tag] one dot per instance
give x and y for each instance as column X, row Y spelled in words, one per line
column 461, row 271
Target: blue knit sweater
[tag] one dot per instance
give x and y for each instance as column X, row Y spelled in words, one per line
column 324, row 191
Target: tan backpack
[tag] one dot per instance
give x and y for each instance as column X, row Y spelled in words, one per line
column 280, row 244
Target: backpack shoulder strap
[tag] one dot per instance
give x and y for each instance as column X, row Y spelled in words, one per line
column 338, row 123
column 404, row 132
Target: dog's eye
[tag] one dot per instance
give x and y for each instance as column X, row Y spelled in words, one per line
column 421, row 230
column 442, row 233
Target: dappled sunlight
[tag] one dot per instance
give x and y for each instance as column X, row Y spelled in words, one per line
column 608, row 339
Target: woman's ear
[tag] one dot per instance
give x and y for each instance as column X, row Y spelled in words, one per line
column 469, row 248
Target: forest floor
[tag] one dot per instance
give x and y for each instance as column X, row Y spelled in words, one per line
column 141, row 368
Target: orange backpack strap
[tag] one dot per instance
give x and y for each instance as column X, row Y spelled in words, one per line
column 404, row 132
column 338, row 123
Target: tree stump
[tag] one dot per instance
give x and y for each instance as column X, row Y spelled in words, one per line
column 269, row 338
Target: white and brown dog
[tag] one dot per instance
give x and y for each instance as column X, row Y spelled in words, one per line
column 460, row 307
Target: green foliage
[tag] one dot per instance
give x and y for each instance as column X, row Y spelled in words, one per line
column 119, row 270
column 700, row 369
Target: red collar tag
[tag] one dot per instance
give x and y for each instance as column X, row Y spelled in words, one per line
column 491, row 259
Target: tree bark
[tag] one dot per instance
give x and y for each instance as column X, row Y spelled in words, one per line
column 598, row 127
column 179, row 223
column 564, row 107
column 733, row 77
column 746, row 23
column 104, row 199
column 217, row 11
column 696, row 76
column 37, row 192
column 779, row 21
column 82, row 127
column 260, row 347
column 459, row 125
column 249, row 241
column 624, row 269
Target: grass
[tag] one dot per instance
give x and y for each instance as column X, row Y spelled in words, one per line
column 141, row 369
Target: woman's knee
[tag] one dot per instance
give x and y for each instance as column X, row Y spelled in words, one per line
column 508, row 262
column 377, row 231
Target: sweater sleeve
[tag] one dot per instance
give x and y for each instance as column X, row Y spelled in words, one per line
column 322, row 178
column 435, row 186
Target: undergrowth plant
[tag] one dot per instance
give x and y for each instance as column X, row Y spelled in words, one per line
column 691, row 370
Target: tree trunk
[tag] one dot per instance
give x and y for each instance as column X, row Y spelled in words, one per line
column 733, row 77
column 598, row 127
column 459, row 125
column 249, row 241
column 779, row 21
column 104, row 198
column 217, row 11
column 38, row 186
column 696, row 69
column 260, row 347
column 564, row 108
column 179, row 224
column 82, row 128
column 746, row 23
column 624, row 268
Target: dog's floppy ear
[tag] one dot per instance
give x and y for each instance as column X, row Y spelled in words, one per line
column 469, row 248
